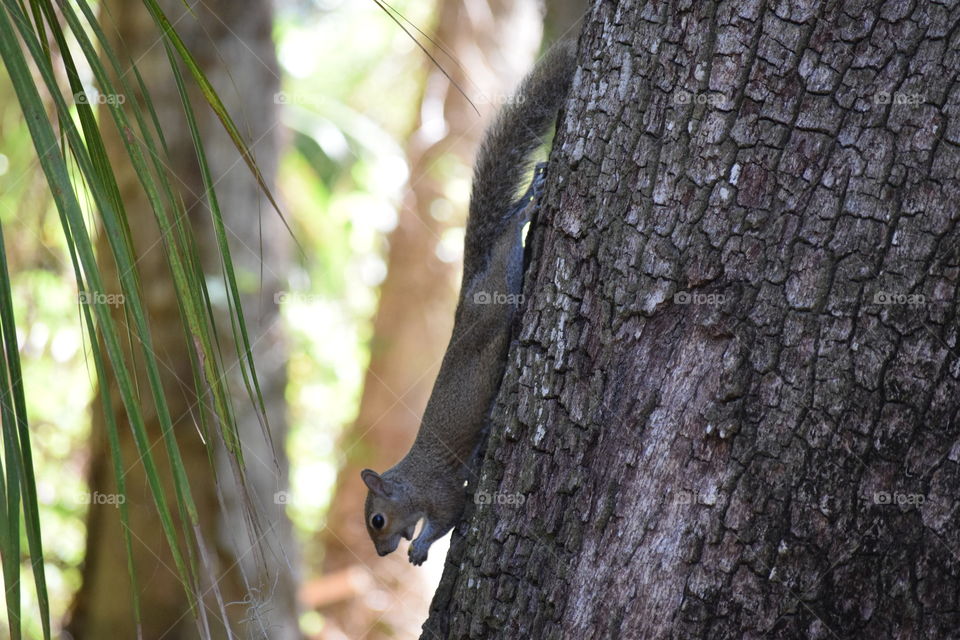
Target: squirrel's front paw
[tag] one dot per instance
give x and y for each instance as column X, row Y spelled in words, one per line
column 417, row 554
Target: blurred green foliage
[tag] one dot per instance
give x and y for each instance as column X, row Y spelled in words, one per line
column 59, row 386
column 351, row 87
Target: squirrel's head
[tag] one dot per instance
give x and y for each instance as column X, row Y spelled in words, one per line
column 388, row 512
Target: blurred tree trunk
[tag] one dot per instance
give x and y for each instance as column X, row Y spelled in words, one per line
column 733, row 408
column 232, row 42
column 495, row 43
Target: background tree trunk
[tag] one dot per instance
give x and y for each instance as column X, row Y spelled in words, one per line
column 494, row 43
column 732, row 410
column 232, row 42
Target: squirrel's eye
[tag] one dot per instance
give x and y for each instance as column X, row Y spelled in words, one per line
column 377, row 521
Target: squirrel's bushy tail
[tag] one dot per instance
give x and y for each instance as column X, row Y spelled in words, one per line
column 503, row 160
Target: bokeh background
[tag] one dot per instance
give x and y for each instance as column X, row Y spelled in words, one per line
column 368, row 144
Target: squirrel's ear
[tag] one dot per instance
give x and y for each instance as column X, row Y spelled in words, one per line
column 375, row 483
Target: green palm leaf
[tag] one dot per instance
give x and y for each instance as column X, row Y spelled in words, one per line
column 26, row 35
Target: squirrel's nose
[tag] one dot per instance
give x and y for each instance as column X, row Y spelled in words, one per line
column 382, row 553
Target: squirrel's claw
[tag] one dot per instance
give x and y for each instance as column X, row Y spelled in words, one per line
column 416, row 555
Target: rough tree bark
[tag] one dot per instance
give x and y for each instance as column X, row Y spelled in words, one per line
column 232, row 42
column 732, row 409
column 388, row 597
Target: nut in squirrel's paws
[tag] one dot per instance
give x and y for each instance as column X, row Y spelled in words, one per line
column 416, row 555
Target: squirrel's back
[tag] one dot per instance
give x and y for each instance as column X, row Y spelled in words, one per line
column 503, row 160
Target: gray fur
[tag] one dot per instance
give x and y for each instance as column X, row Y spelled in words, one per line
column 429, row 482
column 503, row 160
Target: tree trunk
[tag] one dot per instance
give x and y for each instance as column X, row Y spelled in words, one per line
column 415, row 313
column 732, row 409
column 232, row 42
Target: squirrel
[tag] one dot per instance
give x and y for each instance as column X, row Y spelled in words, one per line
column 429, row 483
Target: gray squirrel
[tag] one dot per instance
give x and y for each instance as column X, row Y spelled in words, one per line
column 429, row 483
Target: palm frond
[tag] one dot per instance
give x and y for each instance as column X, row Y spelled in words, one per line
column 72, row 155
